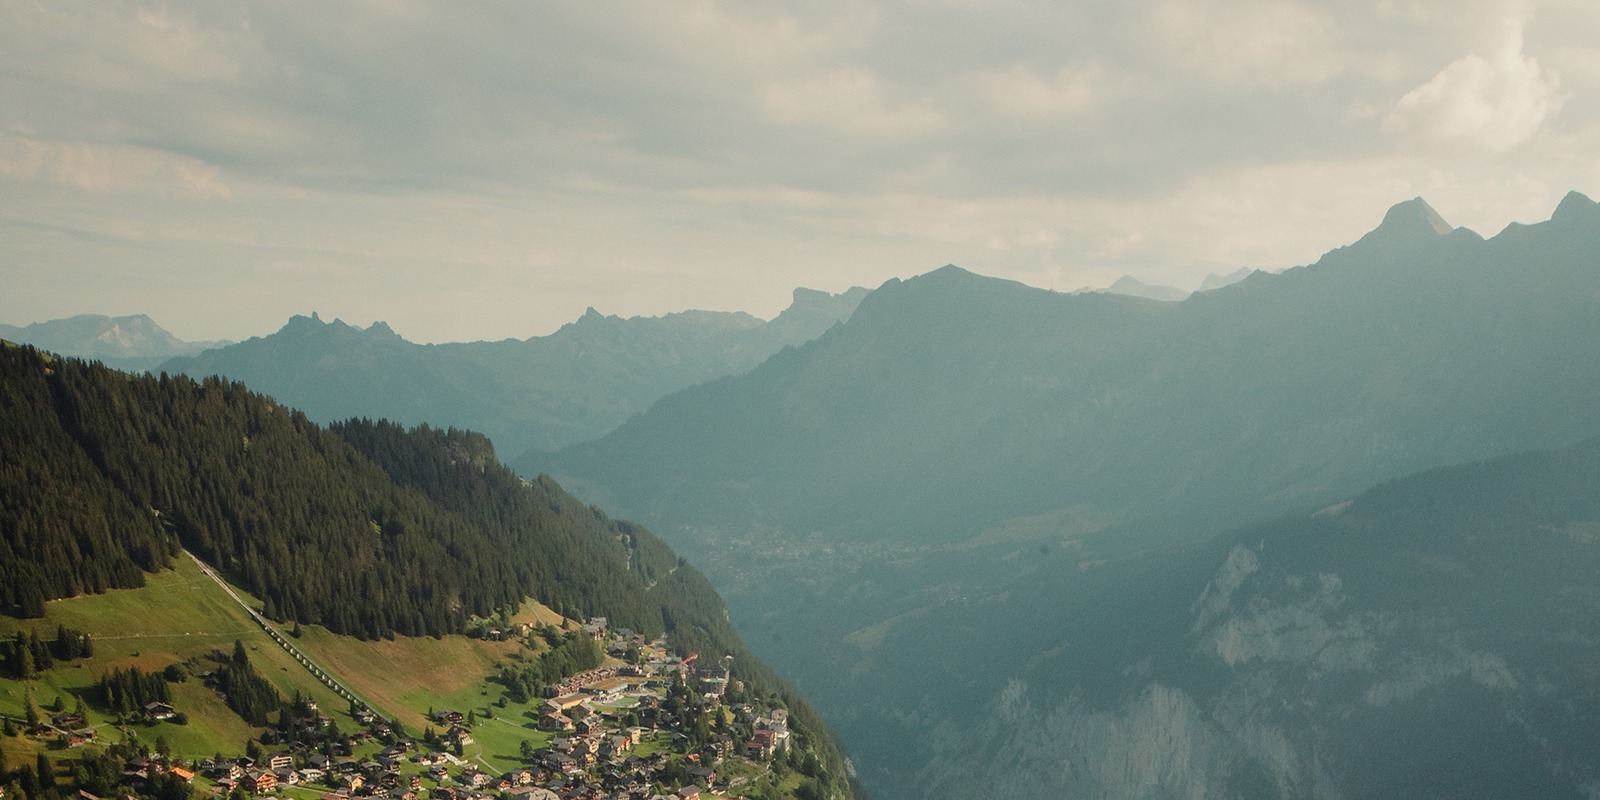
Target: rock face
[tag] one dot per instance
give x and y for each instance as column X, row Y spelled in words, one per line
column 1430, row 640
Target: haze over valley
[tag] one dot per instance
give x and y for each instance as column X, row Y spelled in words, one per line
column 759, row 401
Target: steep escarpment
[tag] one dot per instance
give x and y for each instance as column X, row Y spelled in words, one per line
column 1432, row 638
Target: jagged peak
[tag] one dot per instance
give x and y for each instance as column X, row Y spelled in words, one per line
column 379, row 328
column 301, row 322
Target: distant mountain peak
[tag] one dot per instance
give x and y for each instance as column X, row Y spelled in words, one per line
column 1133, row 287
column 949, row 271
column 1216, row 281
column 130, row 342
column 381, row 329
column 1576, row 206
column 1412, row 217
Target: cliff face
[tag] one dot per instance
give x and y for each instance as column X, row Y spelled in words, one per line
column 1427, row 640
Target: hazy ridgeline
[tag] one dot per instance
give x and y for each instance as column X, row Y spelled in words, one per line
column 977, row 524
column 1017, row 543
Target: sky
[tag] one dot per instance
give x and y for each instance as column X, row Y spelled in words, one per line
column 489, row 170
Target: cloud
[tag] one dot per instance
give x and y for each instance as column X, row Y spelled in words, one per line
column 1023, row 92
column 103, row 169
column 720, row 153
column 1266, row 42
column 850, row 101
column 1494, row 104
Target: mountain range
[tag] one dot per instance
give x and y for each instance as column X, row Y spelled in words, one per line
column 135, row 343
column 538, row 393
column 1326, row 532
column 895, row 509
column 952, row 402
column 1133, row 287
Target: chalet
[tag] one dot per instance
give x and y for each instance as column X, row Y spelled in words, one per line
column 287, row 777
column 69, row 720
column 259, row 782
column 448, row 717
column 616, row 747
column 555, row 722
column 595, row 627
column 687, row 793
column 474, row 778
column 159, row 712
column 560, row 762
column 761, row 745
column 459, row 735
column 279, row 760
column 186, row 775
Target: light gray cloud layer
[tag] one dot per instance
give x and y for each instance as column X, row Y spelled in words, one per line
column 489, row 169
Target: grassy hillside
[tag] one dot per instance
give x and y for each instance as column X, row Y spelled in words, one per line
column 181, row 616
column 178, row 617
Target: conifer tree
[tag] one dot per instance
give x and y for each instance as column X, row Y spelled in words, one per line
column 45, row 771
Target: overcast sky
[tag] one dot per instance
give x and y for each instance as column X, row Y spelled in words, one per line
column 489, row 169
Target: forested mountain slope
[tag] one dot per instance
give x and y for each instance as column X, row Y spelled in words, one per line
column 365, row 528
